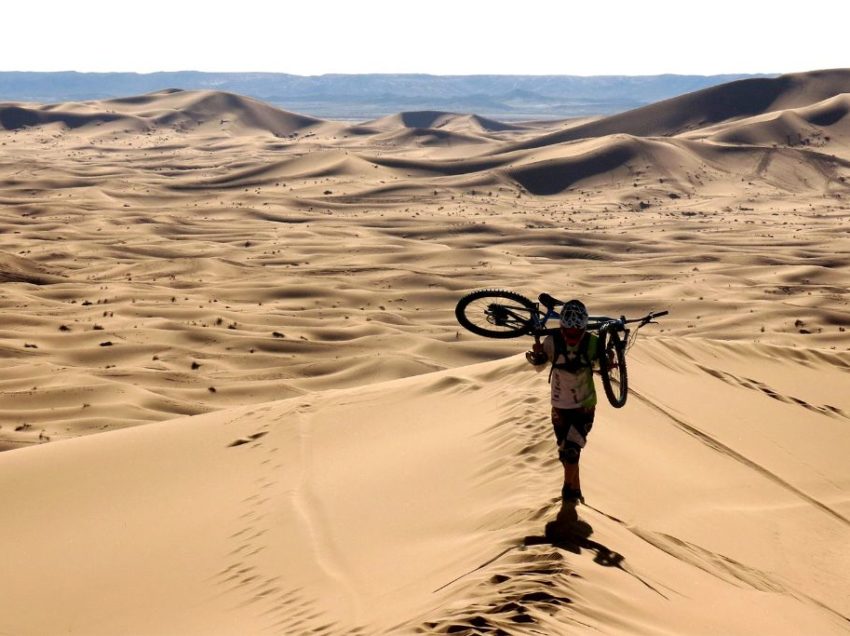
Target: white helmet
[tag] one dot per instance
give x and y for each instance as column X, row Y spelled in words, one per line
column 574, row 315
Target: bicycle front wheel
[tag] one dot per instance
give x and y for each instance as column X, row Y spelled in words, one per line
column 612, row 366
column 496, row 313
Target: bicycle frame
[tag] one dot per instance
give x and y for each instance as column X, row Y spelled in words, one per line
column 508, row 314
column 594, row 323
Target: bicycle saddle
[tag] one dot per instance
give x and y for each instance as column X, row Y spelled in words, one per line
column 549, row 301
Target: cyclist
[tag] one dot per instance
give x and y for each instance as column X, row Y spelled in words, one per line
column 573, row 352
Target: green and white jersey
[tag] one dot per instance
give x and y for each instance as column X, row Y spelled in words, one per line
column 572, row 376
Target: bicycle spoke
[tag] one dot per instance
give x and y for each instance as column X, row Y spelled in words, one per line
column 496, row 313
column 508, row 316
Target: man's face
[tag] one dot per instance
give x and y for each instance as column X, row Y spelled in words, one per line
column 572, row 335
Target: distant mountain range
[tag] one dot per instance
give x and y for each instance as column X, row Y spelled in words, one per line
column 361, row 97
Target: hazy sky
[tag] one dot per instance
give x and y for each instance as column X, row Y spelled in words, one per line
column 564, row 37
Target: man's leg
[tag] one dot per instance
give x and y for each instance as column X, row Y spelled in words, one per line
column 570, row 432
column 571, row 477
column 572, row 484
column 575, row 424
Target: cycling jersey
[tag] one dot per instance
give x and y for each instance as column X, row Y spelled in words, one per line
column 571, row 380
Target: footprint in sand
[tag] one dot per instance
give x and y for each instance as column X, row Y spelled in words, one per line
column 248, row 439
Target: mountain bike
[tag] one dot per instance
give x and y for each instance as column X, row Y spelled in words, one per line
column 498, row 313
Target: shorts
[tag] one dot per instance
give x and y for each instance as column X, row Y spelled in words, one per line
column 572, row 427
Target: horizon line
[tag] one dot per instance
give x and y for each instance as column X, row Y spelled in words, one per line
column 413, row 73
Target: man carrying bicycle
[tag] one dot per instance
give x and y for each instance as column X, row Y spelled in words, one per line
column 573, row 352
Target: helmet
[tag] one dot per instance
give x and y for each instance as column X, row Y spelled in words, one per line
column 574, row 315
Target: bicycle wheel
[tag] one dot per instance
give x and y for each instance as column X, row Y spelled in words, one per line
column 496, row 313
column 612, row 366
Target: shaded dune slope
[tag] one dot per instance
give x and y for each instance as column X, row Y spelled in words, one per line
column 13, row 117
column 440, row 119
column 17, row 269
column 434, row 128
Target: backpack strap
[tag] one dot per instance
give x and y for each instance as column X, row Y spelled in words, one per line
column 585, row 355
column 558, row 343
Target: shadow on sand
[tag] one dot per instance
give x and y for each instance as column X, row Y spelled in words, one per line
column 570, row 533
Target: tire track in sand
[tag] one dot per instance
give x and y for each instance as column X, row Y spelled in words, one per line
column 719, row 446
column 256, row 568
column 309, row 506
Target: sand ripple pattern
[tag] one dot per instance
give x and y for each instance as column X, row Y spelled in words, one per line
column 182, row 252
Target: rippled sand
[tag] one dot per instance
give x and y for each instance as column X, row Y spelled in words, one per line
column 293, row 279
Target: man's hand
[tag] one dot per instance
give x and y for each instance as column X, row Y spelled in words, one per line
column 536, row 356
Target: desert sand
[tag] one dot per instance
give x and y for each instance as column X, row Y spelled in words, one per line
column 234, row 398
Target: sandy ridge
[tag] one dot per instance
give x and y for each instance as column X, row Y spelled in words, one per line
column 638, row 562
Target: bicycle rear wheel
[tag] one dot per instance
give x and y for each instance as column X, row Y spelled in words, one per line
column 496, row 313
column 612, row 366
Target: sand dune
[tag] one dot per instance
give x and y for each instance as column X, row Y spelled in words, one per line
column 439, row 119
column 419, row 505
column 679, row 166
column 179, row 109
column 743, row 98
column 823, row 126
column 15, row 269
column 428, row 137
column 17, row 117
column 257, row 307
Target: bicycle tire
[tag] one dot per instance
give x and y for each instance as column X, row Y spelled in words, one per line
column 485, row 312
column 615, row 377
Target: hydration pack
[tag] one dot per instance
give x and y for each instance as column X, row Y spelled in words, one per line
column 583, row 357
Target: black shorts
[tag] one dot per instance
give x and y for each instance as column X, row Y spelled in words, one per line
column 572, row 427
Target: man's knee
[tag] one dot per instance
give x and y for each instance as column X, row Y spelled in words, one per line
column 569, row 453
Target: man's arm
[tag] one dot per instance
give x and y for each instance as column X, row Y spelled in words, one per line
column 538, row 354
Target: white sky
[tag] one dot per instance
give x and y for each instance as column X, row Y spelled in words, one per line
column 533, row 37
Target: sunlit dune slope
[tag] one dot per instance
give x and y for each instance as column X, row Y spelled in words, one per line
column 786, row 132
column 823, row 126
column 709, row 106
column 190, row 268
column 717, row 504
column 677, row 166
column 186, row 110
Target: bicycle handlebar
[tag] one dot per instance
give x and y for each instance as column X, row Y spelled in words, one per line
column 652, row 315
column 597, row 322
